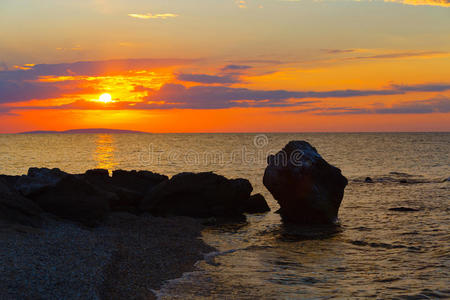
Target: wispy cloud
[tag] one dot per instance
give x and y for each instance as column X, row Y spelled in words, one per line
column 153, row 16
column 440, row 104
column 208, row 79
column 444, row 3
column 241, row 3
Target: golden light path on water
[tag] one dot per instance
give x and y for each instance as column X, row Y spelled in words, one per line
column 104, row 152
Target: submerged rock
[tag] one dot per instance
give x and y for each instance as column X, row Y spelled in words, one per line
column 199, row 195
column 403, row 209
column 256, row 204
column 16, row 209
column 368, row 180
column 307, row 188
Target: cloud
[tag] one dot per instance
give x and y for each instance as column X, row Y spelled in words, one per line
column 439, row 104
column 235, row 68
column 423, row 54
column 90, row 68
column 241, row 3
column 208, row 79
column 444, row 3
column 3, row 66
column 153, row 16
column 338, row 51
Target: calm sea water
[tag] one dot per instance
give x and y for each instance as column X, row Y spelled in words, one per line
column 376, row 252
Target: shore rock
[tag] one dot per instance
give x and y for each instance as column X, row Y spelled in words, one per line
column 126, row 200
column 200, row 195
column 137, row 181
column 16, row 209
column 38, row 179
column 308, row 189
column 256, row 204
column 74, row 199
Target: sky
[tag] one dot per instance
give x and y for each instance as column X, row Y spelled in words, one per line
column 225, row 65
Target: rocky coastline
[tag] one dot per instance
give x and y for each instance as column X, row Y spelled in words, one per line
column 96, row 236
column 120, row 236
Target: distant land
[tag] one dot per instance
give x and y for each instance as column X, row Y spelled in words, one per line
column 88, row 130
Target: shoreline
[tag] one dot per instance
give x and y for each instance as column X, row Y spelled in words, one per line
column 125, row 257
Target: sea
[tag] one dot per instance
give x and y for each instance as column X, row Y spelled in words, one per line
column 378, row 250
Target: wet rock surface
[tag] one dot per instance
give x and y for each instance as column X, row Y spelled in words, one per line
column 308, row 189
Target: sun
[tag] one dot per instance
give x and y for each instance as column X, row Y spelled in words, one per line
column 105, row 98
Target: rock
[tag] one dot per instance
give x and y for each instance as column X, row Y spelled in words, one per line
column 16, row 209
column 126, row 200
column 73, row 198
column 256, row 204
column 368, row 180
column 403, row 209
column 307, row 188
column 38, row 179
column 447, row 179
column 137, row 181
column 200, row 195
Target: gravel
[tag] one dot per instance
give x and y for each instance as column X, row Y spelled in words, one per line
column 125, row 258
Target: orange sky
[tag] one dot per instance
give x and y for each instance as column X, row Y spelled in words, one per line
column 201, row 76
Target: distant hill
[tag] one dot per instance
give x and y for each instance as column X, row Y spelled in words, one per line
column 88, row 130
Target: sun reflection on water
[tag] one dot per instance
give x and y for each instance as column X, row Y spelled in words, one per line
column 104, row 153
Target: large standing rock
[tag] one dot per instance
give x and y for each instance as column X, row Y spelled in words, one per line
column 16, row 209
column 307, row 188
column 198, row 195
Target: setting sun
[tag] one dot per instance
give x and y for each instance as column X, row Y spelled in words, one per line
column 105, row 98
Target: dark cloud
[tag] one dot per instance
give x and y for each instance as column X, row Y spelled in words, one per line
column 179, row 96
column 90, row 68
column 208, row 79
column 438, row 87
column 429, row 106
column 235, row 68
column 339, row 51
column 11, row 91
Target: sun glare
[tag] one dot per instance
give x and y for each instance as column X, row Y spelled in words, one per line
column 105, row 98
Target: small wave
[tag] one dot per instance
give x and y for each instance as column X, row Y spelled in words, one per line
column 426, row 294
column 397, row 178
column 383, row 245
column 403, row 209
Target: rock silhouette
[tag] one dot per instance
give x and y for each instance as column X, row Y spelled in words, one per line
column 87, row 198
column 308, row 189
column 199, row 195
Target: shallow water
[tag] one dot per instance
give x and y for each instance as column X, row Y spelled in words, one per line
column 376, row 252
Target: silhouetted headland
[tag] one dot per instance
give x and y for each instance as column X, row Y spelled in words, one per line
column 87, row 130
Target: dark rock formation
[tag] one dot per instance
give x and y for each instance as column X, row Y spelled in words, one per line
column 403, row 209
column 256, row 204
column 200, row 195
column 126, row 200
column 73, row 198
column 308, row 189
column 38, row 179
column 16, row 209
column 137, row 181
column 368, row 180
